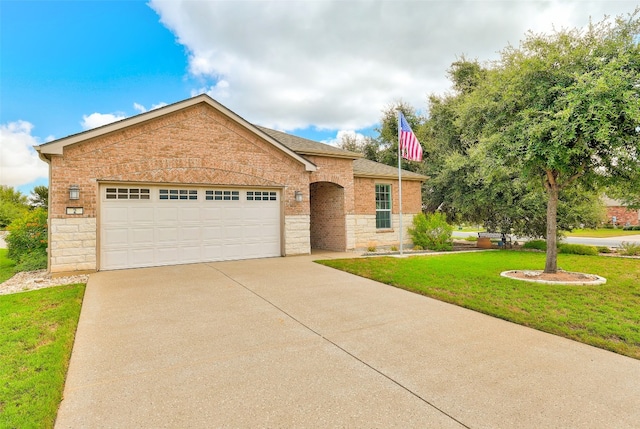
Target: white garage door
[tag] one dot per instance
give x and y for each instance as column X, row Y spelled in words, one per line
column 154, row 225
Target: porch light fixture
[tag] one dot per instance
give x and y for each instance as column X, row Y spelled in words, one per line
column 74, row 192
column 298, row 196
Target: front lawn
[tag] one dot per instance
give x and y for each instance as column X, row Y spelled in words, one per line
column 601, row 233
column 37, row 330
column 6, row 266
column 606, row 316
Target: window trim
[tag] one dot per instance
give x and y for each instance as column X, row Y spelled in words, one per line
column 388, row 192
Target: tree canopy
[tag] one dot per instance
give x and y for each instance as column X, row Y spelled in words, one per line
column 564, row 108
column 529, row 142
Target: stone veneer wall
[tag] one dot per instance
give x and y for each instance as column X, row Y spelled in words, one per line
column 72, row 245
column 366, row 234
column 296, row 231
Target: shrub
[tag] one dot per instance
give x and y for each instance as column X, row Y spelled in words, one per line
column 32, row 262
column 416, row 247
column 627, row 228
column 394, row 248
column 432, row 231
column 535, row 244
column 636, row 228
column 608, row 226
column 629, row 249
column 471, row 238
column 27, row 240
column 577, row 249
column 604, row 249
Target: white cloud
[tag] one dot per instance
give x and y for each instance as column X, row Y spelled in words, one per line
column 337, row 64
column 19, row 162
column 95, row 120
column 141, row 109
column 348, row 134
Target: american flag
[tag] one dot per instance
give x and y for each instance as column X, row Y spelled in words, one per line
column 409, row 145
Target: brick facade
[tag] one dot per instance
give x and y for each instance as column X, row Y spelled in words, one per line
column 328, row 228
column 623, row 215
column 201, row 145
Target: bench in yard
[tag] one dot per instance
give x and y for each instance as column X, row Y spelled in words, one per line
column 487, row 236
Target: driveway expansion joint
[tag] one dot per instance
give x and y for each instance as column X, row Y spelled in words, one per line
column 334, row 344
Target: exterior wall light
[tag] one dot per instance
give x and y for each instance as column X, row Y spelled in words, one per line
column 298, row 196
column 74, row 192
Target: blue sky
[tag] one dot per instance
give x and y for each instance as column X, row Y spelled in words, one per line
column 317, row 69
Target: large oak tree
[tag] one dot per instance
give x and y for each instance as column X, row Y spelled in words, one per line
column 564, row 109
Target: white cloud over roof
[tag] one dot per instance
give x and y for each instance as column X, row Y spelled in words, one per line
column 96, row 120
column 336, row 64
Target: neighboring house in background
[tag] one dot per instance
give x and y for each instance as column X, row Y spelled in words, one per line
column 194, row 182
column 620, row 215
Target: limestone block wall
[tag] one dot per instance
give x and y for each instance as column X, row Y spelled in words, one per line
column 297, row 236
column 366, row 234
column 72, row 245
column 350, row 231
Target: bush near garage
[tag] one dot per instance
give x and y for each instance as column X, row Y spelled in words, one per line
column 27, row 240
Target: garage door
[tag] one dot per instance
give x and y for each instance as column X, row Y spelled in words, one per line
column 154, row 225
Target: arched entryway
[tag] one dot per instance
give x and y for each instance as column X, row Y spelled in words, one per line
column 328, row 229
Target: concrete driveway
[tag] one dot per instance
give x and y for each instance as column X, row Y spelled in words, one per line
column 285, row 342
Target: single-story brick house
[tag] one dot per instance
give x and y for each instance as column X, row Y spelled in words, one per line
column 620, row 215
column 194, row 182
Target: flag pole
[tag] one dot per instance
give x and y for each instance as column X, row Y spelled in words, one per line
column 400, row 183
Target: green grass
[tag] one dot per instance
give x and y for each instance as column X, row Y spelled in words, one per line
column 6, row 266
column 37, row 330
column 600, row 233
column 605, row 316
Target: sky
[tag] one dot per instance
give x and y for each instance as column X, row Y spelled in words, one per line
column 318, row 69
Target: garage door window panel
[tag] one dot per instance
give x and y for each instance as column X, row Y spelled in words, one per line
column 262, row 196
column 178, row 194
column 222, row 195
column 127, row 193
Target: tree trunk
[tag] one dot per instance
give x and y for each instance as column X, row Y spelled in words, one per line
column 551, row 265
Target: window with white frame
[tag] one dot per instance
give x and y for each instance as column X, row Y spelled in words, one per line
column 383, row 206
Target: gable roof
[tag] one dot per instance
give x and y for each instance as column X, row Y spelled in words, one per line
column 362, row 167
column 366, row 168
column 56, row 147
column 294, row 146
column 304, row 146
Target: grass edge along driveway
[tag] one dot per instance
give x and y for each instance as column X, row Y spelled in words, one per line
column 37, row 330
column 605, row 316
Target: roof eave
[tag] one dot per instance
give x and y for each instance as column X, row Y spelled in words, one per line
column 326, row 154
column 389, row 176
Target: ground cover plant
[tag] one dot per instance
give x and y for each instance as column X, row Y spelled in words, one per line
column 605, row 316
column 37, row 330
